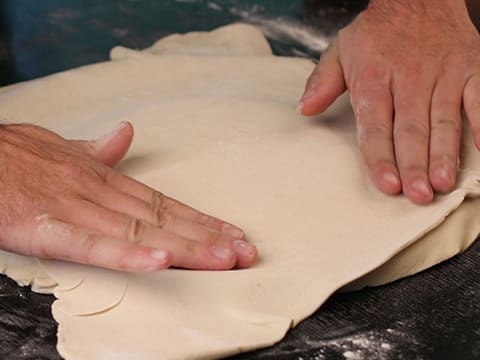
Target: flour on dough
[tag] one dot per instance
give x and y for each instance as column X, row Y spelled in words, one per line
column 217, row 129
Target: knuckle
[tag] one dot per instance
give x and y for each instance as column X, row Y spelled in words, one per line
column 412, row 130
column 373, row 131
column 444, row 158
column 88, row 249
column 375, row 73
column 159, row 201
column 362, row 105
column 99, row 172
column 215, row 238
column 90, row 146
column 443, row 124
column 413, row 70
column 203, row 219
column 70, row 170
column 162, row 218
column 376, row 130
column 76, row 171
column 135, row 230
column 453, row 63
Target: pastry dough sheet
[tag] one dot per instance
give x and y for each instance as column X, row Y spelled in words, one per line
column 216, row 127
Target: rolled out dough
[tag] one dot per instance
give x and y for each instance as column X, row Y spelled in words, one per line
column 216, row 127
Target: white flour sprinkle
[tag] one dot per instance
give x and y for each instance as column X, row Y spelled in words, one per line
column 214, row 6
column 285, row 29
column 370, row 345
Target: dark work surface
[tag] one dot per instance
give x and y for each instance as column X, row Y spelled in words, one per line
column 433, row 315
column 42, row 37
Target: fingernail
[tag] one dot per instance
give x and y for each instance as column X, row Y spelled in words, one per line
column 391, row 178
column 421, row 187
column 244, row 248
column 104, row 139
column 161, row 255
column 221, row 252
column 299, row 107
column 307, row 95
column 232, row 231
column 442, row 173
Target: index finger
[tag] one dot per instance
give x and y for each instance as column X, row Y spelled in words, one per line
column 175, row 207
column 373, row 107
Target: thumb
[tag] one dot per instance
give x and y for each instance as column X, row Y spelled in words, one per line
column 324, row 85
column 112, row 147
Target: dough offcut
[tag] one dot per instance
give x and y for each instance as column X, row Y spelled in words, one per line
column 216, row 127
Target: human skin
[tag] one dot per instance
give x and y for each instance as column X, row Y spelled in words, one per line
column 61, row 199
column 410, row 67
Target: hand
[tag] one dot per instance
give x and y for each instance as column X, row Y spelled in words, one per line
column 407, row 65
column 61, row 199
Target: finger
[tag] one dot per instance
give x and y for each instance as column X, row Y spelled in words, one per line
column 159, row 201
column 471, row 103
column 246, row 253
column 324, row 85
column 445, row 135
column 54, row 239
column 373, row 106
column 411, row 137
column 109, row 148
column 216, row 253
column 156, row 215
